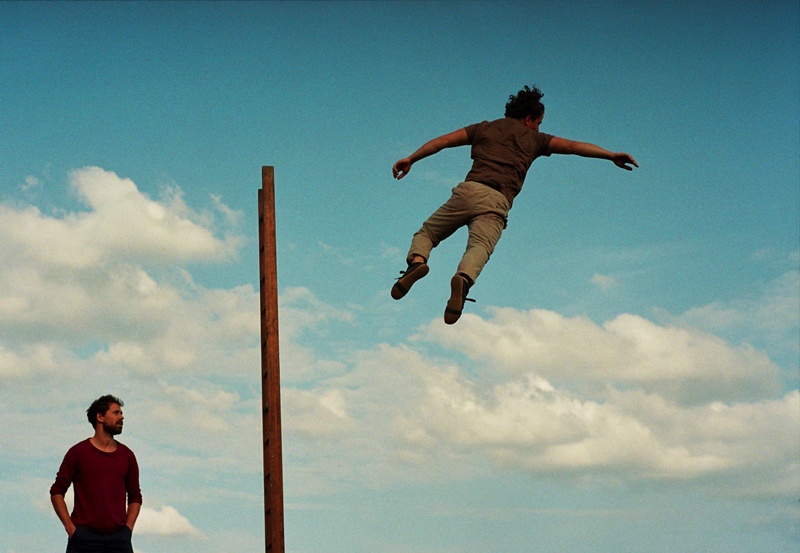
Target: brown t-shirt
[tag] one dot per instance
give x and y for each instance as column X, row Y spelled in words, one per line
column 502, row 153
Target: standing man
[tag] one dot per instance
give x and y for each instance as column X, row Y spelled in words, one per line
column 105, row 476
column 502, row 152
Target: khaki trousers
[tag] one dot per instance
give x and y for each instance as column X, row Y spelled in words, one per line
column 483, row 210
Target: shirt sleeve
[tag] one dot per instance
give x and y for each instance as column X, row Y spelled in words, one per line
column 471, row 130
column 544, row 143
column 132, row 482
column 64, row 475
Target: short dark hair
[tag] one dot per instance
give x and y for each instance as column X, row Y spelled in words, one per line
column 100, row 406
column 526, row 102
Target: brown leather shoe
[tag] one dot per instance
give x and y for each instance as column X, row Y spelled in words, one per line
column 459, row 286
column 412, row 274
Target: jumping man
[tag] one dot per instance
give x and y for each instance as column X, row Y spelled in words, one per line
column 502, row 152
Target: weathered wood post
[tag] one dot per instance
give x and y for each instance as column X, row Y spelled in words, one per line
column 270, row 365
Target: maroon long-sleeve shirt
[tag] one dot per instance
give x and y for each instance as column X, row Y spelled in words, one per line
column 102, row 482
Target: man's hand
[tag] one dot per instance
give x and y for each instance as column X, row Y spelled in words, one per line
column 133, row 514
column 62, row 512
column 401, row 168
column 621, row 159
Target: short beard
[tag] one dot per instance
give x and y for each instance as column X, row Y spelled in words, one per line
column 111, row 430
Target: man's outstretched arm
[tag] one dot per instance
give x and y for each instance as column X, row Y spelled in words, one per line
column 585, row 149
column 456, row 138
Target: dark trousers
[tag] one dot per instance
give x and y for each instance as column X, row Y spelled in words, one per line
column 84, row 540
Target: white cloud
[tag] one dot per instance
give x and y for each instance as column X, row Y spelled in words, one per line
column 31, row 181
column 83, row 276
column 303, row 314
column 687, row 365
column 303, row 310
column 208, row 409
column 521, row 391
column 133, row 321
column 86, row 309
column 198, row 424
column 233, row 217
column 529, row 424
column 122, row 225
column 544, row 393
column 129, row 221
column 165, row 521
column 315, row 413
column 772, row 318
column 603, row 281
column 27, row 360
column 411, row 417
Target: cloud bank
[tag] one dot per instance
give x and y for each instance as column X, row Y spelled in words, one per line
column 101, row 299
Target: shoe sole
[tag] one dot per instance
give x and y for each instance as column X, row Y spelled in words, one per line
column 455, row 305
column 404, row 284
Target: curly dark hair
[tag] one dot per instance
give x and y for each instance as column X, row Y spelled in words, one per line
column 526, row 102
column 100, row 406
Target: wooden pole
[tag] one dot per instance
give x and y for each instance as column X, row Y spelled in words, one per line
column 270, row 365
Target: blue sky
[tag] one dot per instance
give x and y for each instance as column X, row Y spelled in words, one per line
column 627, row 380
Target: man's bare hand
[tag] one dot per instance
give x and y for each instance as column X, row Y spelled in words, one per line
column 401, row 168
column 622, row 160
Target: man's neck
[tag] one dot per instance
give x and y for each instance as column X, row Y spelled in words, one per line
column 103, row 441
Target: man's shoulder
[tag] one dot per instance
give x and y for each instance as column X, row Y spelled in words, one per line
column 499, row 125
column 505, row 125
column 502, row 122
column 474, row 126
column 124, row 450
column 79, row 450
column 83, row 444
